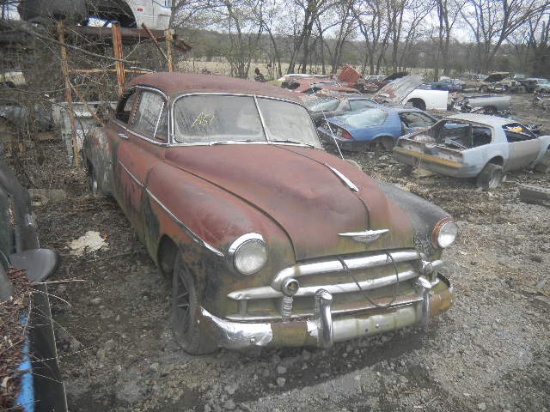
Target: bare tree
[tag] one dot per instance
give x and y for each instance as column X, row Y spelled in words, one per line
column 405, row 18
column 536, row 38
column 234, row 17
column 448, row 12
column 493, row 21
column 345, row 25
column 370, row 16
column 309, row 12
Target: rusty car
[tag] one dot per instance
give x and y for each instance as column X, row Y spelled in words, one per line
column 270, row 240
column 477, row 146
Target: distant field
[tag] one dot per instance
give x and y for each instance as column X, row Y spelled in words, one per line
column 223, row 68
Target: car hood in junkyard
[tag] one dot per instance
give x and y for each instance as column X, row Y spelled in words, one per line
column 396, row 91
column 296, row 187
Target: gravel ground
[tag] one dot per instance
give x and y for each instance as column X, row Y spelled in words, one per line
column 489, row 352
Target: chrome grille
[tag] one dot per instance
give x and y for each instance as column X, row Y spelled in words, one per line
column 384, row 278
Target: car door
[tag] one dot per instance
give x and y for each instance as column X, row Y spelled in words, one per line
column 140, row 150
column 524, row 146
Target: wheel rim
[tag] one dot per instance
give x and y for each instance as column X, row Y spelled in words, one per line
column 93, row 184
column 496, row 179
column 182, row 301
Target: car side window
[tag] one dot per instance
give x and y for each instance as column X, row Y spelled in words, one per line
column 151, row 117
column 125, row 105
column 517, row 133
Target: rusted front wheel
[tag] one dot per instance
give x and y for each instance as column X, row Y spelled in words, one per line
column 185, row 306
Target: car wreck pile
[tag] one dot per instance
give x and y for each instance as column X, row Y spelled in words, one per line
column 270, row 240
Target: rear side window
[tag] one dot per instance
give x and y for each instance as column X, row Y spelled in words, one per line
column 125, row 105
column 151, row 118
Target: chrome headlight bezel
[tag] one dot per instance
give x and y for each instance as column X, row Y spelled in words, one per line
column 248, row 254
column 444, row 233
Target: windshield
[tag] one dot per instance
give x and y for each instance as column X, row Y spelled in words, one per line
column 214, row 118
column 322, row 104
column 364, row 118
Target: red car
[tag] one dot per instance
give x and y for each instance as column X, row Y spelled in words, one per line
column 270, row 240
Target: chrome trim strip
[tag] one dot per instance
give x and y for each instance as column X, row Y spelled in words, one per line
column 267, row 292
column 353, row 263
column 134, row 178
column 343, row 178
column 192, row 234
column 400, row 302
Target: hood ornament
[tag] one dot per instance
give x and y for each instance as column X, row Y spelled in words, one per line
column 343, row 178
column 367, row 236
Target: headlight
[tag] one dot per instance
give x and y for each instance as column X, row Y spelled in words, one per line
column 249, row 253
column 444, row 233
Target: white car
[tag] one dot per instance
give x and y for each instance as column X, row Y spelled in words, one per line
column 155, row 14
column 405, row 91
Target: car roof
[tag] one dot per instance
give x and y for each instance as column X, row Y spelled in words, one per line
column 174, row 84
column 485, row 119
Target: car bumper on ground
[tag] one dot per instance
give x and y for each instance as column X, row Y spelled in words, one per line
column 324, row 329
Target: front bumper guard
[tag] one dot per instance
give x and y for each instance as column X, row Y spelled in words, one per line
column 322, row 330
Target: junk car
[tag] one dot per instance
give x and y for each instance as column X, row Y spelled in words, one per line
column 451, row 85
column 321, row 107
column 155, row 14
column 500, row 82
column 407, row 91
column 475, row 146
column 270, row 240
column 372, row 127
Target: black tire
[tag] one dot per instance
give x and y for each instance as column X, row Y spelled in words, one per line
column 490, row 177
column 185, row 304
column 544, row 164
column 386, row 143
column 483, row 89
column 505, row 89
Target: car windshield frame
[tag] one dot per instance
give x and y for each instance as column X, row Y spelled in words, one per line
column 230, row 118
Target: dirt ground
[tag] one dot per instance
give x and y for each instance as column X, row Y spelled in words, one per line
column 490, row 352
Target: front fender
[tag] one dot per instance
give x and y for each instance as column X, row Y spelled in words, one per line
column 422, row 214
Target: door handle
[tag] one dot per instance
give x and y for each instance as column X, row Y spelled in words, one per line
column 123, row 136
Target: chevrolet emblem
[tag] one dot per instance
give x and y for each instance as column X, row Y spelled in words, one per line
column 368, row 236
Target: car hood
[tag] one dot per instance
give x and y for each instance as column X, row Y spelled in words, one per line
column 299, row 188
column 397, row 90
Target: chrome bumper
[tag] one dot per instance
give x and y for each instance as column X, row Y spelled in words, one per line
column 323, row 331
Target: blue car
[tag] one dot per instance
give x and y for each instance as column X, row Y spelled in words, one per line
column 372, row 127
column 445, row 85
